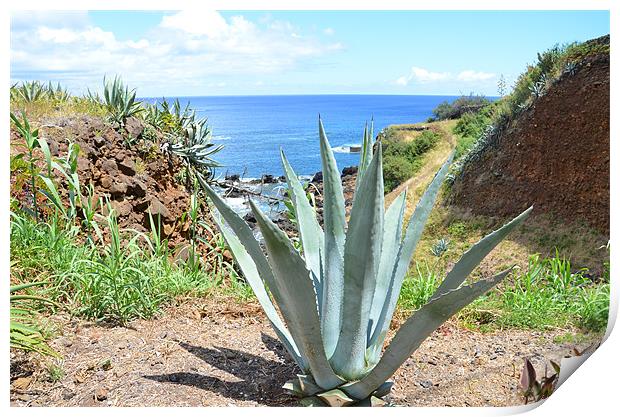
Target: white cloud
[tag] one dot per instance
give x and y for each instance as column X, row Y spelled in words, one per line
column 329, row 31
column 207, row 22
column 424, row 76
column 186, row 48
column 475, row 76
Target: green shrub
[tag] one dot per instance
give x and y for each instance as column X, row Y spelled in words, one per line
column 402, row 159
column 396, row 170
column 462, row 105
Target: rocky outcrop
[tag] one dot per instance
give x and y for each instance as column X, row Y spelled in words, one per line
column 137, row 180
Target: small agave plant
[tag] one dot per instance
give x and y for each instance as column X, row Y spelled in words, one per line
column 336, row 296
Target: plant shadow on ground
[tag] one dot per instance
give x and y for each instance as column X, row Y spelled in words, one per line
column 261, row 379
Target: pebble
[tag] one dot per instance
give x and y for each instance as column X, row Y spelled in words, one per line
column 101, row 394
column 22, row 383
column 67, row 394
column 425, row 384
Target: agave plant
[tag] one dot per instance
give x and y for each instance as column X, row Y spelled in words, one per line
column 196, row 148
column 337, row 299
column 120, row 100
column 30, row 91
column 440, row 247
column 57, row 92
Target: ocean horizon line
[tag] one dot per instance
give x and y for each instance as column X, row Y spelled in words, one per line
column 311, row 95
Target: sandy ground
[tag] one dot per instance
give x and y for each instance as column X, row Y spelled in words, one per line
column 222, row 353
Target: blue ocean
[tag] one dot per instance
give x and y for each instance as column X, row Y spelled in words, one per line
column 254, row 128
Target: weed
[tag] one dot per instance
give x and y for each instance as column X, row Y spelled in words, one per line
column 55, row 373
column 418, row 287
column 458, row 230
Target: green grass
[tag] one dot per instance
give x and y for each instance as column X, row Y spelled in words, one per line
column 55, row 373
column 418, row 286
column 128, row 277
column 546, row 294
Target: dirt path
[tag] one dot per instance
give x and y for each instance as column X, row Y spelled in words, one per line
column 433, row 160
column 221, row 353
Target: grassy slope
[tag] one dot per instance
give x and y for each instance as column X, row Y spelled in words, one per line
column 538, row 235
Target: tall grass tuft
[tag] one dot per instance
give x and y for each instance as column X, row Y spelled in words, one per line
column 548, row 294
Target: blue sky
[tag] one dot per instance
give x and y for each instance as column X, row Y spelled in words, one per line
column 290, row 52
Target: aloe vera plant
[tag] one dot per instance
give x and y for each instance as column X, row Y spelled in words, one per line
column 337, row 299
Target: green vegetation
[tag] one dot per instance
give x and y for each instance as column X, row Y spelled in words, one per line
column 459, row 107
column 544, row 295
column 31, row 140
column 55, row 373
column 120, row 101
column 128, row 277
column 337, row 321
column 73, row 242
column 168, row 126
column 25, row 330
column 402, row 159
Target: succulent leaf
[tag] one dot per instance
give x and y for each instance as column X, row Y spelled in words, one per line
column 248, row 267
column 365, row 157
column 334, row 224
column 310, row 232
column 336, row 398
column 250, row 246
column 362, row 254
column 392, row 236
column 295, row 285
column 407, row 247
column 416, row 329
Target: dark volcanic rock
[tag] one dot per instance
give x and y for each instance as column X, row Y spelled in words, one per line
column 318, row 177
column 349, row 170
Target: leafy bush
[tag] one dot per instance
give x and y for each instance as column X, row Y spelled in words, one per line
column 397, row 170
column 459, row 107
column 402, row 159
